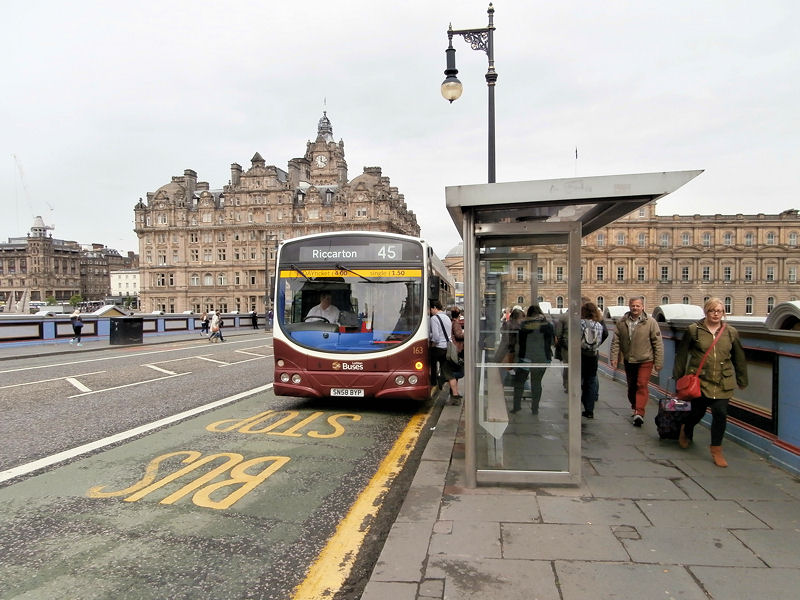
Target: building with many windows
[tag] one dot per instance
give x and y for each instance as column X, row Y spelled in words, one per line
column 212, row 249
column 38, row 266
column 751, row 262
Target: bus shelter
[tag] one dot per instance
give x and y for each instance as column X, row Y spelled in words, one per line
column 503, row 226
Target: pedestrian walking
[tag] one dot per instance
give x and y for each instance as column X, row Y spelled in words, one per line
column 639, row 347
column 535, row 342
column 593, row 334
column 725, row 368
column 77, row 326
column 204, row 324
column 439, row 332
column 254, row 317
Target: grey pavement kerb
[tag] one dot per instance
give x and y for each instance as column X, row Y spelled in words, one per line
column 648, row 520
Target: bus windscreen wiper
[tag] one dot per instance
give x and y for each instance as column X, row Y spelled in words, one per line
column 343, row 268
column 296, row 268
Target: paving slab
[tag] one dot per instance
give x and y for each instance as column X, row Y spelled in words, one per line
column 634, row 487
column 379, row 590
column 593, row 580
column 636, row 468
column 468, row 540
column 591, row 511
column 728, row 583
column 778, row 514
column 740, row 488
column 714, row 547
column 776, row 548
column 492, row 578
column 404, row 553
column 703, row 514
column 505, row 507
column 421, row 504
column 568, row 542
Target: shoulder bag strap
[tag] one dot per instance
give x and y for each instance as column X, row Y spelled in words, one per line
column 716, row 338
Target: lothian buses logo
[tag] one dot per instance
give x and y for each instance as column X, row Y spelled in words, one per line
column 353, row 366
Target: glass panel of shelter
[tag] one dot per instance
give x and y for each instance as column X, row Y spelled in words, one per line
column 523, row 387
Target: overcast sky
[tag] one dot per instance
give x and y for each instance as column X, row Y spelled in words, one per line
column 103, row 102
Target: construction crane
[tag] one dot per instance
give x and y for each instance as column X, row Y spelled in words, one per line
column 28, row 195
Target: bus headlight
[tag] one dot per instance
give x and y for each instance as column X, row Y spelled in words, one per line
column 280, row 362
column 399, row 380
column 296, row 378
column 412, row 379
column 284, row 378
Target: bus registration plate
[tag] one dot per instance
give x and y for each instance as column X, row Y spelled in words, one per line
column 347, row 392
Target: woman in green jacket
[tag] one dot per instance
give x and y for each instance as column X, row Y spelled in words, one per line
column 724, row 369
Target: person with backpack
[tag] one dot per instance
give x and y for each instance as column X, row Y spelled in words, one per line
column 534, row 345
column 77, row 326
column 639, row 347
column 593, row 334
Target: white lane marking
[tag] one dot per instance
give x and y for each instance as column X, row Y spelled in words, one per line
column 239, row 362
column 250, row 353
column 160, row 370
column 185, row 346
column 119, row 387
column 220, row 362
column 13, row 385
column 77, row 384
column 119, row 437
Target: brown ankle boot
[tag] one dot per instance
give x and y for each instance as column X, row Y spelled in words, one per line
column 683, row 441
column 716, row 454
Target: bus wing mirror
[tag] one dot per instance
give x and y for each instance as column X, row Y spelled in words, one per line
column 434, row 284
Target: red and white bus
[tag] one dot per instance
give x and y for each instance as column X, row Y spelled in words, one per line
column 374, row 343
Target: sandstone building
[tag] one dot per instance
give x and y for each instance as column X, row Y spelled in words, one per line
column 214, row 249
column 751, row 262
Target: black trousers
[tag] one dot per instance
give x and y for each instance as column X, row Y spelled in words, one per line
column 719, row 417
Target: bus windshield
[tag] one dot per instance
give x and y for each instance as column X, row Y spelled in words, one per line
column 349, row 308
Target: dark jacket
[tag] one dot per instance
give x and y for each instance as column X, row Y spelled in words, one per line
column 535, row 340
column 725, row 367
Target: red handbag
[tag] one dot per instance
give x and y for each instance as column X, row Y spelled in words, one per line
column 688, row 386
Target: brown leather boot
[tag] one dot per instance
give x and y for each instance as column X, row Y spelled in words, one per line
column 683, row 441
column 716, row 454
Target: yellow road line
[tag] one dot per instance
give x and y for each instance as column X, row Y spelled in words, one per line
column 333, row 565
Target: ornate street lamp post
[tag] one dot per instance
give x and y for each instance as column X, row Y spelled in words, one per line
column 478, row 39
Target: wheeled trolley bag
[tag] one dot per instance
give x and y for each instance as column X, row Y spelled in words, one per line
column 671, row 414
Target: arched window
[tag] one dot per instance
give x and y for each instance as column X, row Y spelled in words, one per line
column 686, row 300
column 727, row 238
column 728, row 305
column 664, row 299
column 686, row 238
column 601, row 239
column 770, row 238
column 748, row 239
column 559, row 301
column 707, row 239
column 601, row 302
column 748, row 305
column 620, row 239
column 793, row 239
column 770, row 304
column 620, row 300
column 664, row 240
column 220, row 278
column 208, row 279
column 641, row 240
column 194, row 279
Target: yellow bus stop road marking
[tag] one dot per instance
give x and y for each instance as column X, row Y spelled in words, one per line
column 333, row 565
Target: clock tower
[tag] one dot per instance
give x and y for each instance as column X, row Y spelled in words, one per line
column 325, row 156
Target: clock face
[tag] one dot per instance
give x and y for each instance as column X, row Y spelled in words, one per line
column 321, row 160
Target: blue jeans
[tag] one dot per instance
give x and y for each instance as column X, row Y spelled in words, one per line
column 590, row 389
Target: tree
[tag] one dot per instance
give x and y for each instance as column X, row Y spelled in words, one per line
column 51, row 301
column 75, row 300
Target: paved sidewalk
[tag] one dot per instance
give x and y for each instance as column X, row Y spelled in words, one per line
column 13, row 350
column 649, row 521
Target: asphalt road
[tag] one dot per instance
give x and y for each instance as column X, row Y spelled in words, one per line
column 191, row 478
